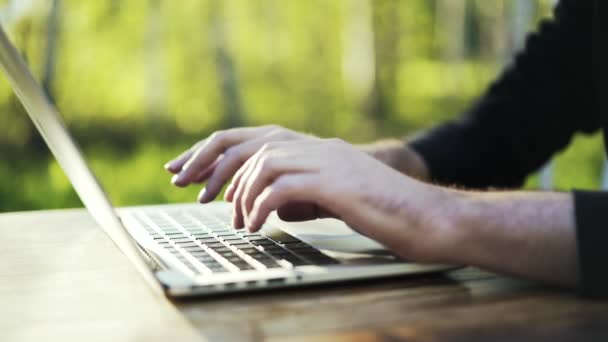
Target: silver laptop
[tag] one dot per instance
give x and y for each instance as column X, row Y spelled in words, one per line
column 191, row 249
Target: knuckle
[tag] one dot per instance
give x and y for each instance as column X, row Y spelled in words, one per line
column 217, row 136
column 282, row 185
column 268, row 146
column 233, row 153
column 268, row 164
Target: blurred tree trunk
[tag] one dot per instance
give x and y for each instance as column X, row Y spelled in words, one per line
column 233, row 110
column 450, row 20
column 50, row 55
column 524, row 12
column 156, row 92
column 358, row 56
column 494, row 39
column 386, row 33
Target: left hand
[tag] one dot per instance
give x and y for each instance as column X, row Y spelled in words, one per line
column 324, row 176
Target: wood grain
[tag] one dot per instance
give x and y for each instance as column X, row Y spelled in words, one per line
column 62, row 279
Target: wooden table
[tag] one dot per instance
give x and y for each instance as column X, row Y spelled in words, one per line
column 61, row 278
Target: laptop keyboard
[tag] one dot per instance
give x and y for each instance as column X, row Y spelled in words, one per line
column 206, row 243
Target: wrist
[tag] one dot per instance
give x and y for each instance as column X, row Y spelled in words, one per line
column 449, row 221
column 396, row 154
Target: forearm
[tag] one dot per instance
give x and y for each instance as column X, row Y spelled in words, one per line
column 525, row 234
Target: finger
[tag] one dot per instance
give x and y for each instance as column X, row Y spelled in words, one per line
column 301, row 211
column 230, row 162
column 176, row 164
column 231, row 194
column 301, row 187
column 266, row 170
column 230, row 191
column 228, row 194
column 237, row 218
column 208, row 152
column 273, row 135
column 204, row 175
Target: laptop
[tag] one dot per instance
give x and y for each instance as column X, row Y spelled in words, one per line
column 191, row 249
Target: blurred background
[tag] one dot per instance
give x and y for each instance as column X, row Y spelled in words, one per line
column 138, row 81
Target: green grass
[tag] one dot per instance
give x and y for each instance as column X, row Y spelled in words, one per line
column 577, row 167
column 129, row 179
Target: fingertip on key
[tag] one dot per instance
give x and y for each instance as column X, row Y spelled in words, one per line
column 178, row 180
column 201, row 195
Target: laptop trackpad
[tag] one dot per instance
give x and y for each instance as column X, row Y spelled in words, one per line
column 329, row 234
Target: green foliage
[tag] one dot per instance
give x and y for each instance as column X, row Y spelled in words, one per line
column 139, row 81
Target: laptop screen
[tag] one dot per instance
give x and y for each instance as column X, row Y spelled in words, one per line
column 67, row 153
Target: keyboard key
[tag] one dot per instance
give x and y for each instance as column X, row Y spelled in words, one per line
column 231, row 239
column 214, row 244
column 184, row 242
column 283, row 237
column 227, row 233
column 256, row 254
column 203, row 235
column 268, row 262
column 238, row 243
column 219, row 228
column 221, row 249
column 263, row 243
column 293, row 245
column 180, row 239
column 256, row 238
column 174, row 232
column 196, row 231
column 295, row 261
column 207, row 240
column 217, row 269
column 279, row 254
column 244, row 267
column 193, row 249
column 251, row 234
column 248, row 250
column 188, row 243
column 201, row 254
column 227, row 254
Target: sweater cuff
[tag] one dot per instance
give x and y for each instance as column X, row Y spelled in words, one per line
column 591, row 211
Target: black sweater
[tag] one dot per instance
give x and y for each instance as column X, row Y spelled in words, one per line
column 553, row 89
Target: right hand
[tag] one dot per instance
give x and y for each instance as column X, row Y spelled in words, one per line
column 217, row 158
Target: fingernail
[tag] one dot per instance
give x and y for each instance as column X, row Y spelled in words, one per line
column 201, row 195
column 227, row 192
column 176, row 179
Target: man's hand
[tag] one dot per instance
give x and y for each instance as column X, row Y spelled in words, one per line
column 217, row 158
column 304, row 178
column 336, row 177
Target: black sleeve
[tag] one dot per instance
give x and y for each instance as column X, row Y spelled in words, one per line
column 592, row 240
column 591, row 207
column 556, row 87
column 529, row 113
